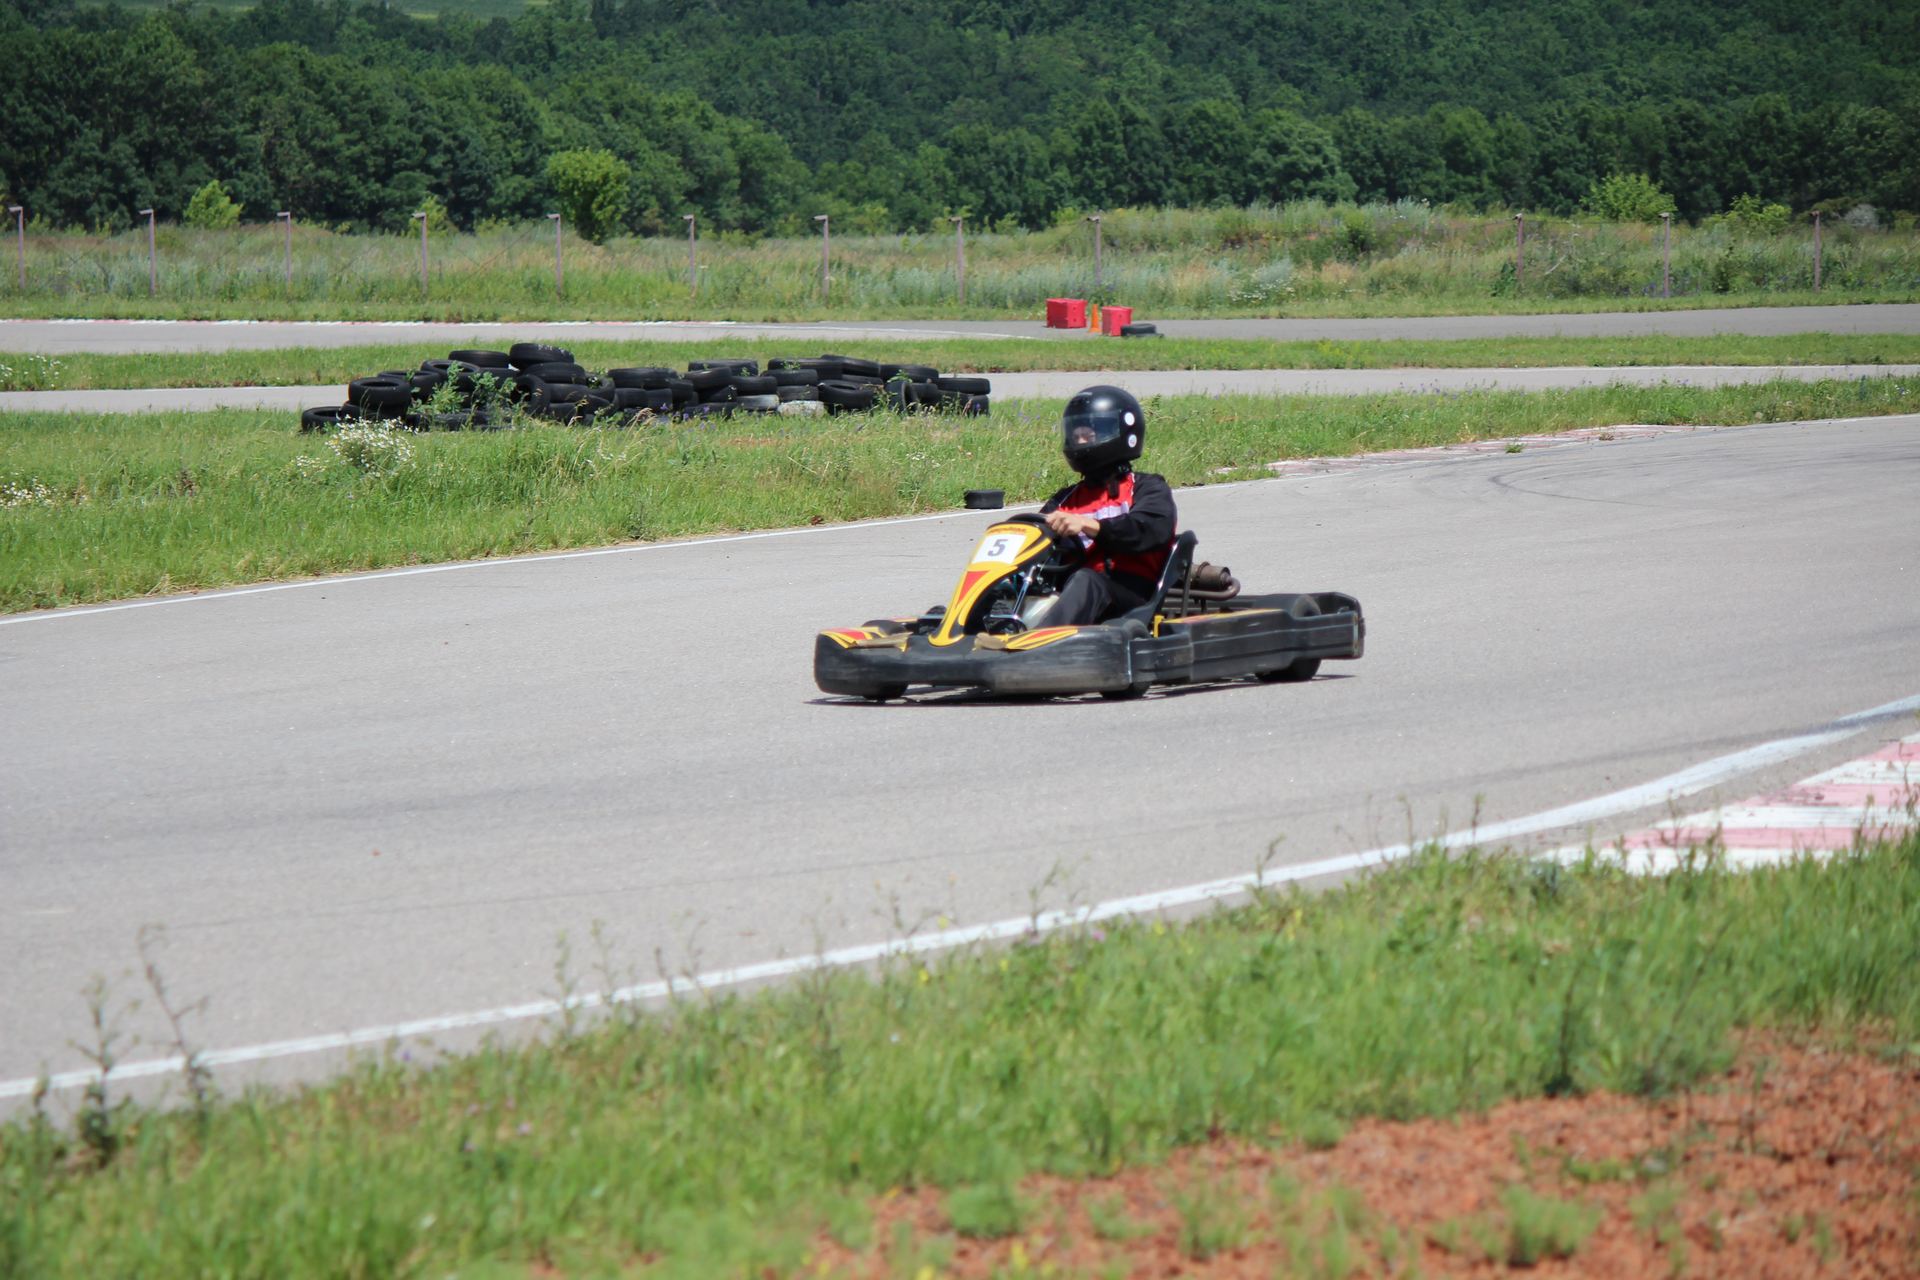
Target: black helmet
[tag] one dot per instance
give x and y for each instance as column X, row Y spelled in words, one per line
column 1102, row 428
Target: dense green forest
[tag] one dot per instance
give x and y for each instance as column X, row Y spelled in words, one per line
column 889, row 114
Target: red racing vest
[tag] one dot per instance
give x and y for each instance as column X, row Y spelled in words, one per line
column 1090, row 499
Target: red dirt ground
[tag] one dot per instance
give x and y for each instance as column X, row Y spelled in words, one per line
column 1801, row 1162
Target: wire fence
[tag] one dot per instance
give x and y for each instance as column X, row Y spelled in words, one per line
column 1157, row 261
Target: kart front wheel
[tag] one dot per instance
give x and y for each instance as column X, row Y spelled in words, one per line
column 886, row 693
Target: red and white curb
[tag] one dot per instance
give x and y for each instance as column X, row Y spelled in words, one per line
column 1876, row 797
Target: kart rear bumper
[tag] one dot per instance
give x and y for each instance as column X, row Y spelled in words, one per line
column 1261, row 635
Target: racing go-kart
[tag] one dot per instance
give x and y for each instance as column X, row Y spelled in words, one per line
column 992, row 634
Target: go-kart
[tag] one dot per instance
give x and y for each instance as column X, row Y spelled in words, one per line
column 992, row 633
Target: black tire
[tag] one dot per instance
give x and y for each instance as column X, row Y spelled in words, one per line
column 382, row 396
column 750, row 385
column 449, row 421
column 531, row 394
column 841, row 395
column 446, row 367
column 589, row 407
column 426, row 382
column 482, row 359
column 886, row 693
column 978, row 406
column 328, row 416
column 735, row 366
column 641, row 378
column 719, row 395
column 911, row 372
column 560, row 371
column 825, row 369
column 705, row 411
column 965, row 386
column 1300, row 670
column 627, row 399
column 795, row 377
column 1138, row 331
column 854, row 364
column 659, row 399
column 523, row 355
column 788, row 363
column 567, row 392
column 705, row 380
column 682, row 391
column 790, row 394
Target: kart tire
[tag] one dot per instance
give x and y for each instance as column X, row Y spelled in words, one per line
column 1141, row 330
column 825, row 369
column 794, row 377
column 627, row 399
column 523, row 355
column 586, row 409
column 1300, row 670
column 447, row 367
column 843, row 396
column 886, row 693
column 719, row 395
column 754, row 385
column 705, row 410
column 738, row 366
column 682, row 391
column 482, row 359
column 659, row 399
column 911, row 372
column 426, row 382
column 648, row 379
column 705, row 380
column 790, row 394
column 328, row 416
column 978, row 407
column 757, row 404
column 964, row 386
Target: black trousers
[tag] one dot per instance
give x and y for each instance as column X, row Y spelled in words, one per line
column 1091, row 596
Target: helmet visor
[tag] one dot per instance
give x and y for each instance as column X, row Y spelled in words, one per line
column 1088, row 430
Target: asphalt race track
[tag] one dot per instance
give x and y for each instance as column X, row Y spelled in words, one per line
column 56, row 337
column 363, row 800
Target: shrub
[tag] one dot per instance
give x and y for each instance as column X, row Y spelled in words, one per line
column 212, row 208
column 593, row 187
column 1750, row 213
column 1627, row 197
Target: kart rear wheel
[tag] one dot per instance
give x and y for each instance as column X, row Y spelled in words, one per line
column 1300, row 670
column 886, row 693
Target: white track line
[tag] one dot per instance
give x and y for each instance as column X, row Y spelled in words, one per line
column 1687, row 781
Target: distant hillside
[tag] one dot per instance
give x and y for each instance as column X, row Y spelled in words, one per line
column 756, row 114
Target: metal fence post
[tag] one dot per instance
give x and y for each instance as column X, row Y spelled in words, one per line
column 960, row 254
column 1817, row 255
column 1666, row 255
column 423, row 253
column 1519, row 251
column 559, row 275
column 826, row 239
column 153, row 261
column 286, row 216
column 693, row 260
column 1095, row 220
column 20, row 227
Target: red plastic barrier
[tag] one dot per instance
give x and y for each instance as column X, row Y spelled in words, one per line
column 1066, row 313
column 1111, row 318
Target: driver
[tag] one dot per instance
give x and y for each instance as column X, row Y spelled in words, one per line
column 1124, row 520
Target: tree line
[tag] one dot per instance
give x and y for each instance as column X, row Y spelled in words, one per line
column 758, row 115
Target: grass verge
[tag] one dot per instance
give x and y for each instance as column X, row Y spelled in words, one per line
column 737, row 1133
column 105, row 507
column 319, row 366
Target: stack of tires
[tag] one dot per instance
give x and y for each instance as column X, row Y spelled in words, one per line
column 487, row 390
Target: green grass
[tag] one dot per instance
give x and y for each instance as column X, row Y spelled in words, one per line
column 714, row 1140
column 137, row 504
column 1301, row 259
column 319, row 366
